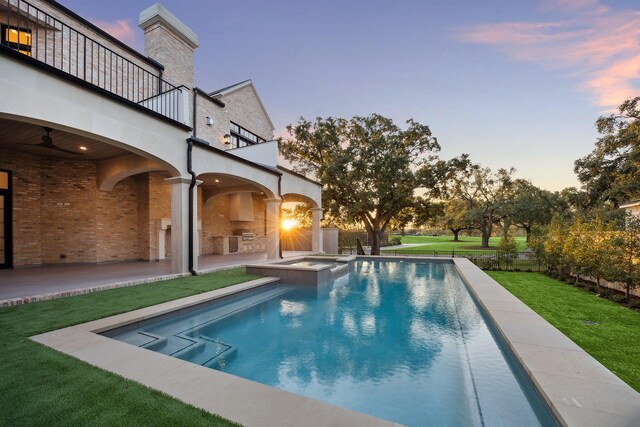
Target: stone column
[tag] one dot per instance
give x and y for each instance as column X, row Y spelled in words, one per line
column 316, row 231
column 273, row 228
column 180, row 224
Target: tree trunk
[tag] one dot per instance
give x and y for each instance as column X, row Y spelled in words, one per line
column 598, row 283
column 486, row 233
column 485, row 239
column 455, row 235
column 374, row 241
column 627, row 288
column 528, row 231
column 577, row 279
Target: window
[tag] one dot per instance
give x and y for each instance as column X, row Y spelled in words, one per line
column 17, row 38
column 240, row 137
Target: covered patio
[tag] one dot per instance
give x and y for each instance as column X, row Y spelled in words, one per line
column 20, row 286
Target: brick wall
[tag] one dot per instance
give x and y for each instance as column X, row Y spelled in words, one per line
column 244, row 109
column 259, row 211
column 213, row 134
column 215, row 221
column 27, row 248
column 59, row 215
column 117, row 222
column 68, row 209
column 176, row 56
column 67, row 50
column 159, row 208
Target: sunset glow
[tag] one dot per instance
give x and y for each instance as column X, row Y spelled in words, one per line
column 288, row 224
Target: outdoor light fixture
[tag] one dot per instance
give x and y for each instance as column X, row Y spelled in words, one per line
column 217, row 180
column 83, row 148
column 226, row 138
column 209, row 121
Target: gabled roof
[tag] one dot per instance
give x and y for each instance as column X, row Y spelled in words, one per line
column 229, row 89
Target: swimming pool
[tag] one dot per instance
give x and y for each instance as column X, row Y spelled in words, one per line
column 397, row 340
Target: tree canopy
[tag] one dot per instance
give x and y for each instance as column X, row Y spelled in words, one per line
column 610, row 173
column 485, row 192
column 365, row 165
column 531, row 206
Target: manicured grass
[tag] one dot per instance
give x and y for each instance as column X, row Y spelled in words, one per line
column 40, row 386
column 614, row 341
column 446, row 243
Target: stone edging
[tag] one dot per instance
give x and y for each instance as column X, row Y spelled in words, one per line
column 74, row 292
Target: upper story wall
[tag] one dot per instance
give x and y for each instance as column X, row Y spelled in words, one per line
column 245, row 108
column 72, row 47
column 35, row 17
column 242, row 107
column 212, row 133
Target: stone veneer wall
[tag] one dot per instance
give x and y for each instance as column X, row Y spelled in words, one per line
column 59, row 215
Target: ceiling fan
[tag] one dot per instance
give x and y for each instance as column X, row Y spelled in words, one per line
column 47, row 142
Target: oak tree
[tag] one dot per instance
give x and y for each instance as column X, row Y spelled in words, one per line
column 365, row 165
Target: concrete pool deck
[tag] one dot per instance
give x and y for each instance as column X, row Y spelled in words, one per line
column 577, row 388
column 25, row 285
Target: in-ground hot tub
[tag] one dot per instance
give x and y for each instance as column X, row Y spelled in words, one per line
column 310, row 270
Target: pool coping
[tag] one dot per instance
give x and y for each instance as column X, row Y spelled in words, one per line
column 578, row 389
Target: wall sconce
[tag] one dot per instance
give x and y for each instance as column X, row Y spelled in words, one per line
column 225, row 138
column 209, row 121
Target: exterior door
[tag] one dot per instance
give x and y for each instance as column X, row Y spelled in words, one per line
column 6, row 244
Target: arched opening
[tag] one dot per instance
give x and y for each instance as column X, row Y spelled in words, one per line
column 301, row 231
column 61, row 212
column 232, row 212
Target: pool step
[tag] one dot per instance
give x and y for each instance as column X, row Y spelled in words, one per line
column 186, row 336
column 208, row 352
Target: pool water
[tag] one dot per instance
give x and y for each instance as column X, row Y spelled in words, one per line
column 403, row 341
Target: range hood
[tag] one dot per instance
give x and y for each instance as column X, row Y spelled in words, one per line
column 241, row 207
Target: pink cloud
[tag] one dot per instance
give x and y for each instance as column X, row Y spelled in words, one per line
column 599, row 45
column 613, row 84
column 120, row 29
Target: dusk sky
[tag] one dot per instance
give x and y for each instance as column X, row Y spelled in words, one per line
column 512, row 83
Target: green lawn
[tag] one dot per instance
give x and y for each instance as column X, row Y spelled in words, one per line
column 446, row 243
column 39, row 386
column 614, row 341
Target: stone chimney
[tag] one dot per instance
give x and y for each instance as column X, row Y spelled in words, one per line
column 170, row 42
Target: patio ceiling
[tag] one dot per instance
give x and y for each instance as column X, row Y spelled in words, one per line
column 219, row 182
column 25, row 137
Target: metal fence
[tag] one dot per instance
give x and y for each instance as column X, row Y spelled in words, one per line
column 485, row 259
column 35, row 34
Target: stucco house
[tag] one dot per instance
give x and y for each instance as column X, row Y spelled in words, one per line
column 108, row 154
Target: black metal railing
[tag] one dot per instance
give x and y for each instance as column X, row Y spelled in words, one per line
column 34, row 33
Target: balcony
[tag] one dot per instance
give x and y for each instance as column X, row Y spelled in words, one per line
column 35, row 36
